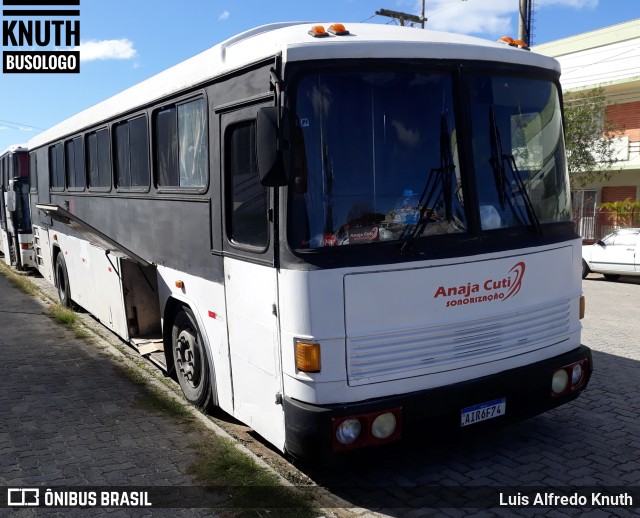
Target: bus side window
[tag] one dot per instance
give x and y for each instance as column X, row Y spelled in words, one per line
column 33, row 174
column 180, row 139
column 74, row 163
column 56, row 167
column 98, row 159
column 247, row 221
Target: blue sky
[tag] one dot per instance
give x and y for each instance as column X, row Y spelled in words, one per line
column 126, row 41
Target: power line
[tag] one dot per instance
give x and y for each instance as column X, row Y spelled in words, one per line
column 19, row 126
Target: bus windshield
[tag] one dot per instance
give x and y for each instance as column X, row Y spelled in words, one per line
column 378, row 157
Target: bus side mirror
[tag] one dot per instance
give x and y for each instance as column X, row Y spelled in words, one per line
column 272, row 144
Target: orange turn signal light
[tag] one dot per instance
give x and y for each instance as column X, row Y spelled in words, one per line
column 307, row 356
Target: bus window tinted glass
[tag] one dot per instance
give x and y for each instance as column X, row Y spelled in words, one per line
column 375, row 159
column 181, row 145
column 518, row 152
column 139, row 152
column 247, row 222
column 192, row 131
column 98, row 160
column 33, row 175
column 56, row 167
column 74, row 155
column 131, row 154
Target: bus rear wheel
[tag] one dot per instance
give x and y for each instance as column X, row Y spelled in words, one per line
column 62, row 279
column 190, row 359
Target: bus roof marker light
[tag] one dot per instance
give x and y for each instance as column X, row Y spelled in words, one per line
column 317, row 31
column 521, row 44
column 338, row 29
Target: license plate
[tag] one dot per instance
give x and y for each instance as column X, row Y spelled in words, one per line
column 483, row 411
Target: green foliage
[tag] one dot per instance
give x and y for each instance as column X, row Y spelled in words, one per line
column 252, row 490
column 623, row 214
column 588, row 138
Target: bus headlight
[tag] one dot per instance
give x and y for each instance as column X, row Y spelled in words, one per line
column 348, row 431
column 576, row 374
column 383, row 425
column 560, row 381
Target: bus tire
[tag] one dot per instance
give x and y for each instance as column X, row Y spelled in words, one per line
column 585, row 269
column 62, row 281
column 190, row 359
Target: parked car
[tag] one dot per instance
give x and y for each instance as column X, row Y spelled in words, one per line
column 615, row 255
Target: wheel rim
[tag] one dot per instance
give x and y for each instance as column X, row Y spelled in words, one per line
column 188, row 361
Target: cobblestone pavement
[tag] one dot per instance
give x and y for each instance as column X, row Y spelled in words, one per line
column 66, row 418
column 591, row 443
column 69, row 418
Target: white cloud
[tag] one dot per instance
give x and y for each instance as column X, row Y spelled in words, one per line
column 224, row 16
column 495, row 17
column 93, row 50
column 576, row 4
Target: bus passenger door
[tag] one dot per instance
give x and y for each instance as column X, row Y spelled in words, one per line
column 251, row 283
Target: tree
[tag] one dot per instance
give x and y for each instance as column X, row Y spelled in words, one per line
column 623, row 214
column 588, row 137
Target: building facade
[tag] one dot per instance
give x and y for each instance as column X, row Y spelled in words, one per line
column 608, row 58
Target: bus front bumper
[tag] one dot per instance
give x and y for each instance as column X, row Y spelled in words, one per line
column 508, row 396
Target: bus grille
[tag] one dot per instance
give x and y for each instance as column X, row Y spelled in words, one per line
column 419, row 351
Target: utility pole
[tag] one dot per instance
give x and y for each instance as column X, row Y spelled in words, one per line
column 526, row 12
column 404, row 18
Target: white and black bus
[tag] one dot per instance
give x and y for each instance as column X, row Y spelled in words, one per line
column 15, row 220
column 339, row 235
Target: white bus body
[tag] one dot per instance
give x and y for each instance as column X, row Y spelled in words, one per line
column 16, row 243
column 307, row 307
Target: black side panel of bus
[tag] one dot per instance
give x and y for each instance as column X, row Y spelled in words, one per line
column 177, row 228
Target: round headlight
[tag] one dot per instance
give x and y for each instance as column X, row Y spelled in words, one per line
column 348, row 431
column 576, row 374
column 383, row 425
column 559, row 381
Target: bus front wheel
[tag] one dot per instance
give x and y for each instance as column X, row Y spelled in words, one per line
column 62, row 278
column 190, row 359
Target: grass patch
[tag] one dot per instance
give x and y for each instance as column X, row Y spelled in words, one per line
column 62, row 315
column 253, row 491
column 21, row 282
column 69, row 319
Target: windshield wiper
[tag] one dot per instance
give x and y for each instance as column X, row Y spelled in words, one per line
column 497, row 161
column 438, row 177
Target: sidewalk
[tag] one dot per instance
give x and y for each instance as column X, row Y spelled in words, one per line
column 68, row 417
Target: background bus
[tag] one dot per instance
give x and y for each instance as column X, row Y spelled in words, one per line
column 15, row 220
column 340, row 236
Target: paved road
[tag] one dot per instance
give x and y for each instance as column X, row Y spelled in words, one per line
column 592, row 442
column 68, row 418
